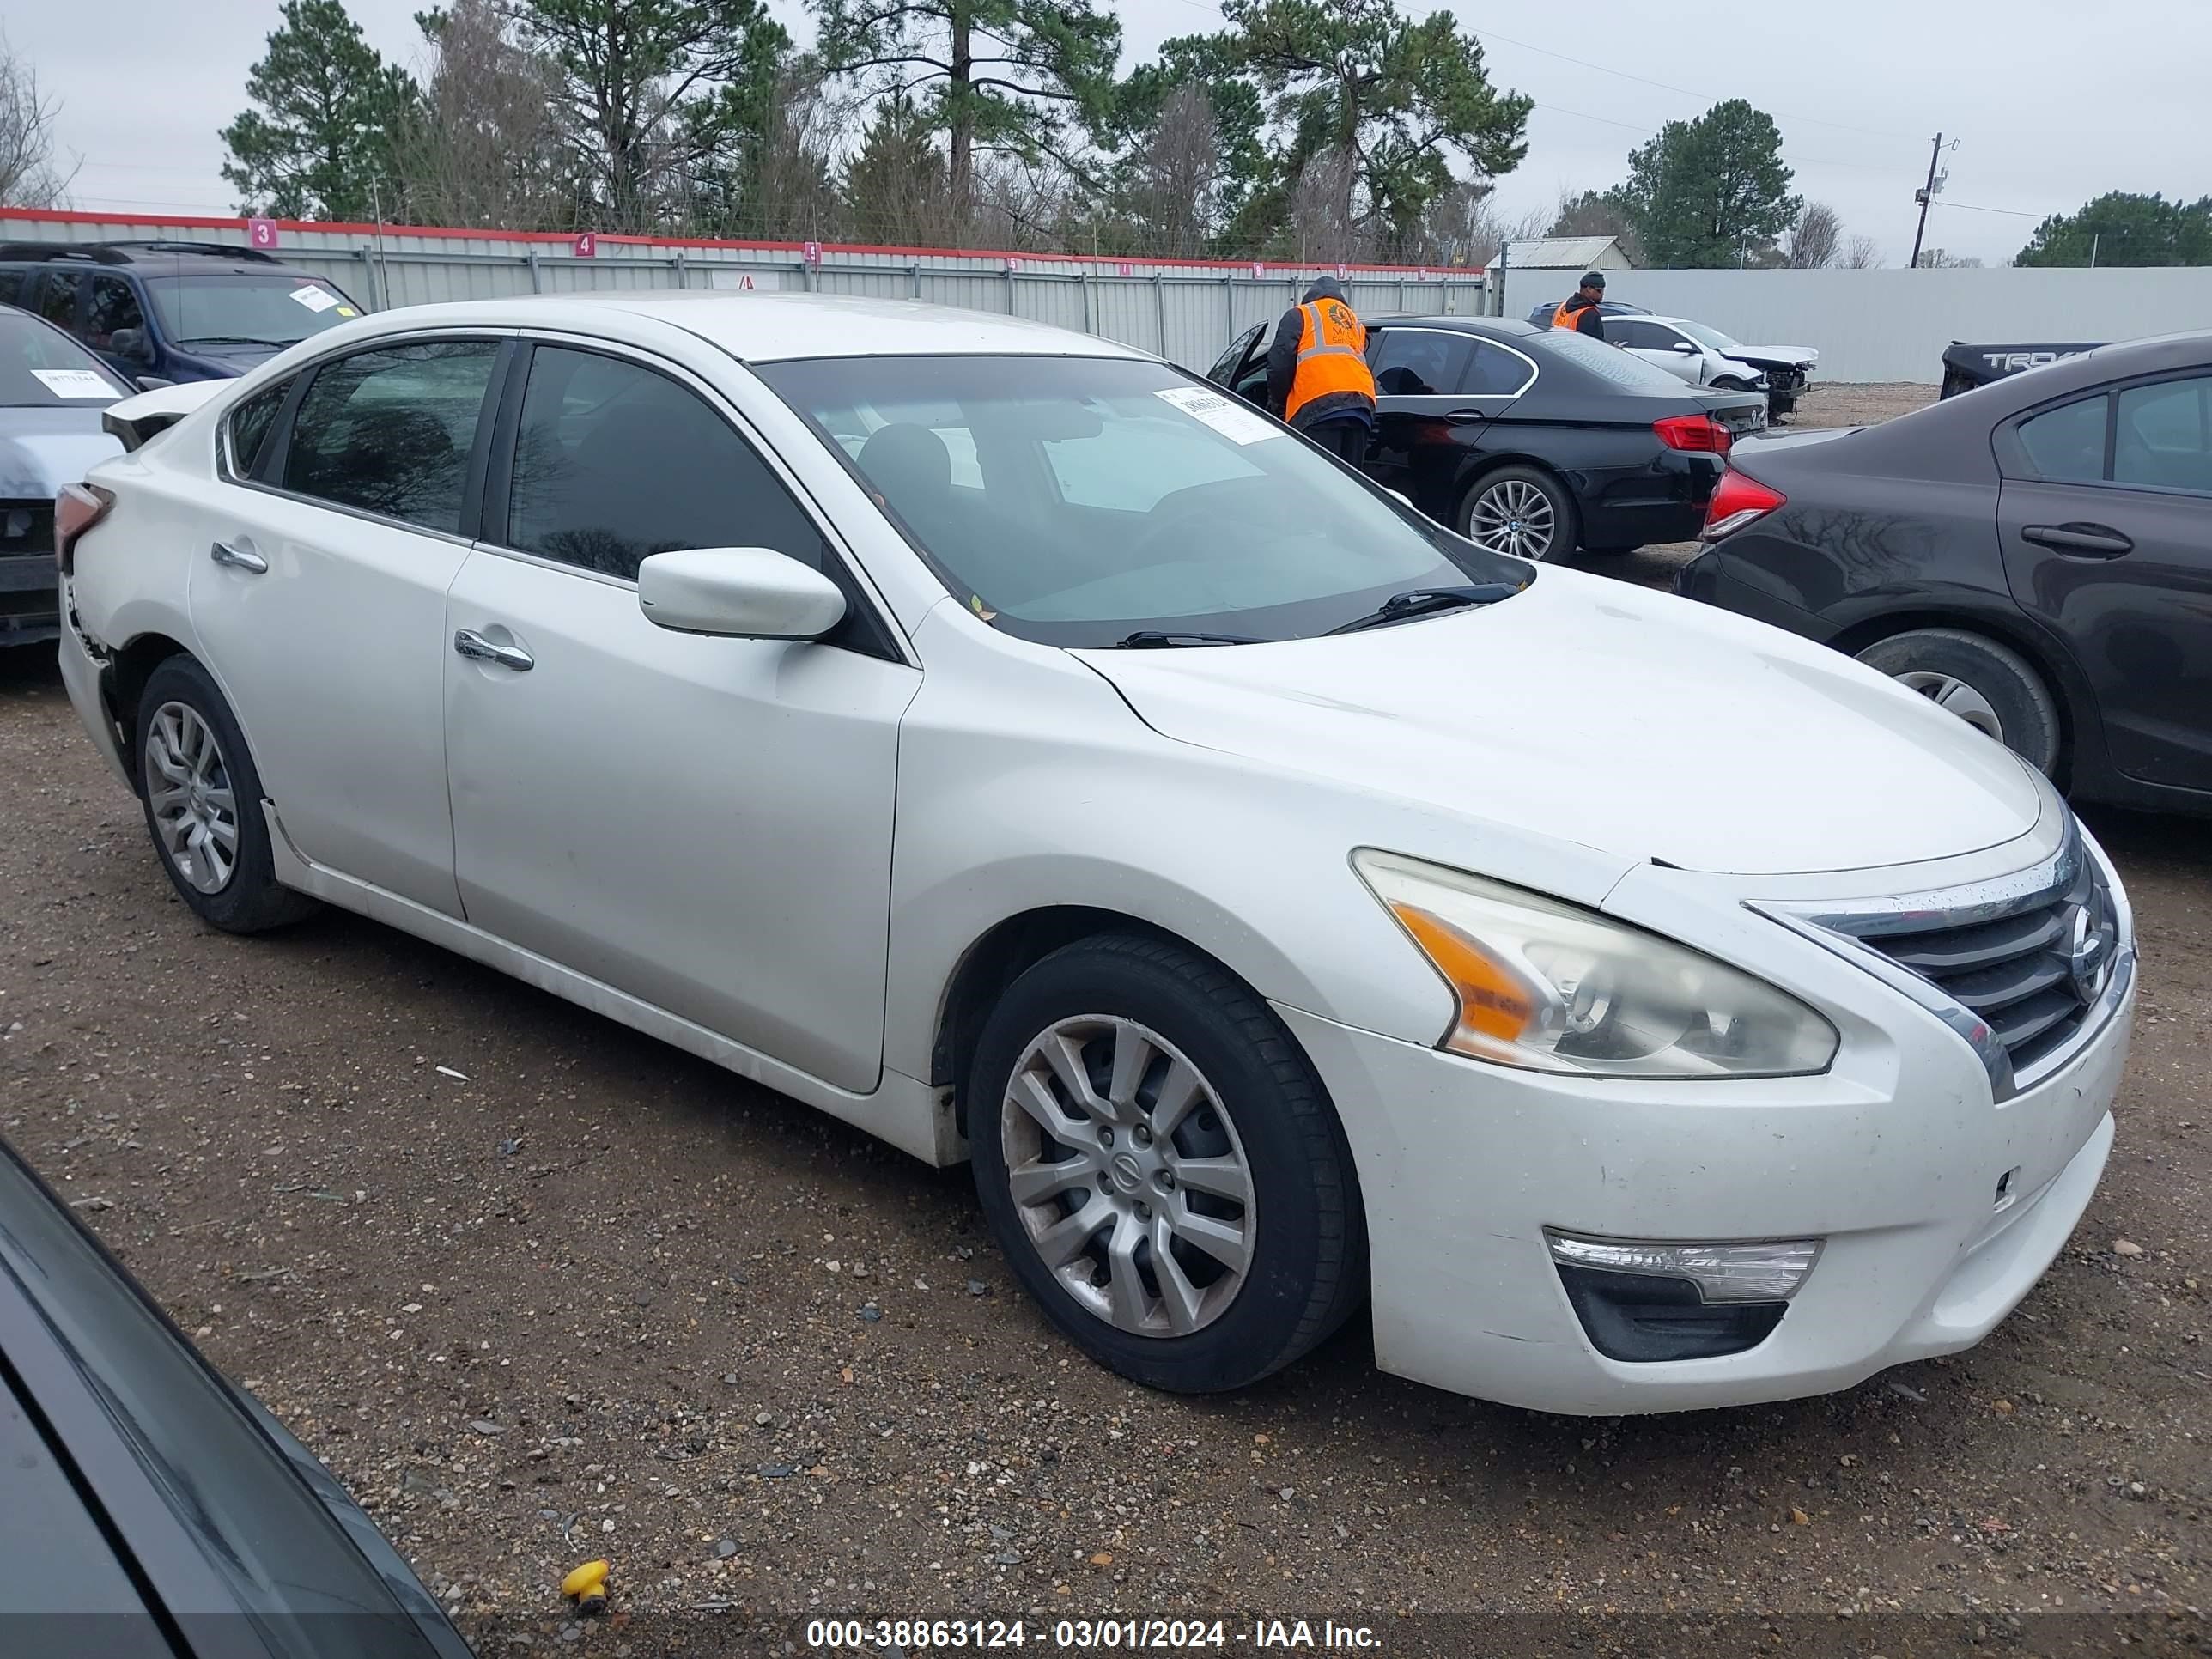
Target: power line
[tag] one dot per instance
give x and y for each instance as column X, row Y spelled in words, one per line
column 1664, row 86
column 2017, row 213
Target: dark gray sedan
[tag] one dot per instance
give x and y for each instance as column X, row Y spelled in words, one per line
column 52, row 393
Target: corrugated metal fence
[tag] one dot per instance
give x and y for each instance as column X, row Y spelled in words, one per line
column 1894, row 324
column 1188, row 312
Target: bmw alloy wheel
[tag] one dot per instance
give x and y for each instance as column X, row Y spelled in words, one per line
column 194, row 809
column 1129, row 1176
column 1513, row 516
column 1946, row 691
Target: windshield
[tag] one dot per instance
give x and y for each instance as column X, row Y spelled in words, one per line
column 1712, row 338
column 43, row 368
column 1076, row 501
column 1607, row 361
column 239, row 310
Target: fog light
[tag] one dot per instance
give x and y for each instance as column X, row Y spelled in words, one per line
column 1647, row 1301
column 1770, row 1272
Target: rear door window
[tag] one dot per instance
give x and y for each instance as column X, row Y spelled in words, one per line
column 56, row 300
column 1494, row 371
column 389, row 431
column 2066, row 445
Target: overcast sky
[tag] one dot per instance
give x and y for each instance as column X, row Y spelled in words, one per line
column 2051, row 101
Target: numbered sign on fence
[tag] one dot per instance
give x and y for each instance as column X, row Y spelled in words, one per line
column 810, row 253
column 261, row 233
column 586, row 246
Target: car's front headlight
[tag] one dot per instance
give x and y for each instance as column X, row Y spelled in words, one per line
column 1550, row 986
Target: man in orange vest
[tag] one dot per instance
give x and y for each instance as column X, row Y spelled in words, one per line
column 1318, row 374
column 1583, row 310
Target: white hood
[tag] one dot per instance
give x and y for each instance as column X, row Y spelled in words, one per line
column 1591, row 711
column 1803, row 356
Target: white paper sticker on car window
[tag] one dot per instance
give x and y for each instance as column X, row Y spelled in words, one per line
column 315, row 299
column 1225, row 416
column 73, row 383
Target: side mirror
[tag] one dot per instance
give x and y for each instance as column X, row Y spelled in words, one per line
column 737, row 593
column 1687, row 348
column 130, row 345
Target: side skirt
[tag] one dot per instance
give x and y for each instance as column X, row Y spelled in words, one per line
column 906, row 1112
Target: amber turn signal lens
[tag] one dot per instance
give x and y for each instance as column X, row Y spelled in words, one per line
column 1494, row 1001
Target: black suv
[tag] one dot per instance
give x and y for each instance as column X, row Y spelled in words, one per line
column 161, row 312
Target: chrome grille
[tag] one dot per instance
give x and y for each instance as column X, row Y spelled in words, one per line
column 2033, row 975
column 2026, row 968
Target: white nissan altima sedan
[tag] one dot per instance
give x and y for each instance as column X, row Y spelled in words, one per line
column 996, row 738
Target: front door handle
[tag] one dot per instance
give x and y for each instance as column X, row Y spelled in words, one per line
column 2094, row 541
column 477, row 648
column 1467, row 414
column 238, row 558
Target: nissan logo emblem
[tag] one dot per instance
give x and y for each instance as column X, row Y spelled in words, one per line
column 2089, row 955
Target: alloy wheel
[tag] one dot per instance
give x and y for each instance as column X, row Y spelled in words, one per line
column 1129, row 1176
column 1513, row 517
column 1946, row 691
column 188, row 790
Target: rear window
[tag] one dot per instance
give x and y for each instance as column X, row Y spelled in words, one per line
column 42, row 370
column 1608, row 362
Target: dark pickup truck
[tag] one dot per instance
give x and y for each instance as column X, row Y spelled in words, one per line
column 1966, row 367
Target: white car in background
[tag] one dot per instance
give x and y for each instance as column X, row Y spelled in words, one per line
column 1008, row 744
column 1705, row 357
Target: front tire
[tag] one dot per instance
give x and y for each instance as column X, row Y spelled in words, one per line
column 1160, row 1165
column 203, row 802
column 1991, row 686
column 1523, row 511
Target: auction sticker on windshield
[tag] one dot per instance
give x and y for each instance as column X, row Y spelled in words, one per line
column 1232, row 421
column 73, row 383
column 315, row 299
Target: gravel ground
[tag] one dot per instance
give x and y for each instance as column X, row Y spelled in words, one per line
column 540, row 1290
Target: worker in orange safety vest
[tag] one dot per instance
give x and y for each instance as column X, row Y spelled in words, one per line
column 1318, row 374
column 1583, row 310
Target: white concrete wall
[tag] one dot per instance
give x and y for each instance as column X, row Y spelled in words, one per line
column 1895, row 325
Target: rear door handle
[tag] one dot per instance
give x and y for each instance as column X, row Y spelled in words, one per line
column 238, row 558
column 477, row 648
column 2094, row 541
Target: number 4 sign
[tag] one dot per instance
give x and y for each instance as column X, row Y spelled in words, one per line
column 586, row 246
column 261, row 233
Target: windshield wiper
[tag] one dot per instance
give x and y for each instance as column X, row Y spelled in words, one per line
column 234, row 339
column 1422, row 601
column 1152, row 639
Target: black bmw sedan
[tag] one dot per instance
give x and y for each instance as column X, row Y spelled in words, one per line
column 1533, row 441
column 2034, row 554
column 149, row 1510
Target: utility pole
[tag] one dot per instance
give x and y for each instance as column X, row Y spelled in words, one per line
column 1928, row 195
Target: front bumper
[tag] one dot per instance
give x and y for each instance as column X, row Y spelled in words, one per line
column 1896, row 1165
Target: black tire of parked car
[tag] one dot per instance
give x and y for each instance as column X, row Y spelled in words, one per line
column 2026, row 713
column 251, row 901
column 1566, row 521
column 1308, row 1265
column 1730, row 383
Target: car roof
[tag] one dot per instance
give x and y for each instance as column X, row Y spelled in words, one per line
column 779, row 326
column 151, row 259
column 1507, row 328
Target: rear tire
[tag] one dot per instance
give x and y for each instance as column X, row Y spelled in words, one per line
column 1523, row 511
column 1991, row 686
column 203, row 801
column 1187, row 1213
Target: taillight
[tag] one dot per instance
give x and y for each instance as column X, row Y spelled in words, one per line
column 1698, row 432
column 1738, row 500
column 77, row 510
